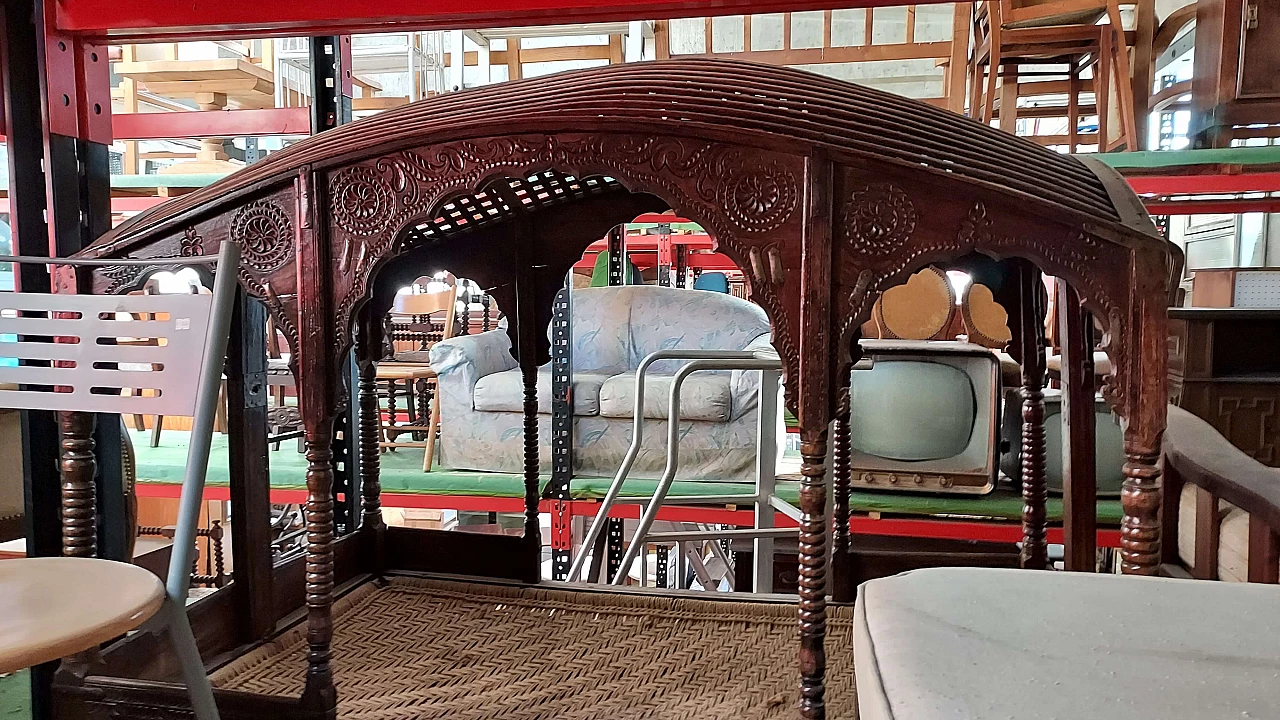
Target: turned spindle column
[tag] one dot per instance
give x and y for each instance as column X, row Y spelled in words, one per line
column 1140, row 499
column 318, row 515
column 1035, row 494
column 842, row 589
column 840, row 485
column 79, row 498
column 370, row 452
column 532, row 461
column 813, row 573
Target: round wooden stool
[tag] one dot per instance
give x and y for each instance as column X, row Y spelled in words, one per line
column 54, row 607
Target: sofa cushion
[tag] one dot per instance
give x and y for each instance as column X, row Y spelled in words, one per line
column 504, row 392
column 985, row 643
column 703, row 396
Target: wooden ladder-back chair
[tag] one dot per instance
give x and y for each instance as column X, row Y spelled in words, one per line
column 1010, row 34
column 413, row 318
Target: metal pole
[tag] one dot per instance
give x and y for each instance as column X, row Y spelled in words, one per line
column 766, row 479
column 179, row 580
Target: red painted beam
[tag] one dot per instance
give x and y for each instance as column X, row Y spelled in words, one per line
column 923, row 527
column 212, row 124
column 1204, row 184
column 124, row 20
column 1212, row 207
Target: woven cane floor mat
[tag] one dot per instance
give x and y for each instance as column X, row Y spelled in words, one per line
column 431, row 649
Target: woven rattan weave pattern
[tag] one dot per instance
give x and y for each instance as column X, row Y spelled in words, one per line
column 429, row 649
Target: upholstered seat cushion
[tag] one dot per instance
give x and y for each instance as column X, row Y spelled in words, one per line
column 703, row 396
column 504, row 392
column 983, row 643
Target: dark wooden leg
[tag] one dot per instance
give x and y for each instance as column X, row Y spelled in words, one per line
column 370, row 462
column 392, row 433
column 842, row 589
column 532, row 461
column 155, row 431
column 79, row 498
column 1140, row 499
column 250, row 476
column 319, row 563
column 1034, row 493
column 813, row 573
column 1208, row 534
column 1264, row 552
column 1080, row 489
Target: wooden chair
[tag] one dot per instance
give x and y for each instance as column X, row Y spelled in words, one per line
column 412, row 335
column 1011, row 33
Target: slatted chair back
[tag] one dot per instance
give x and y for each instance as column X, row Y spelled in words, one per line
column 131, row 354
column 415, row 317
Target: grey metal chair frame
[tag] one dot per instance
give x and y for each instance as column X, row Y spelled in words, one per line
column 191, row 314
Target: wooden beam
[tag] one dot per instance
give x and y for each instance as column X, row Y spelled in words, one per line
column 911, row 23
column 858, row 53
column 662, row 40
column 512, row 57
column 615, row 49
column 1081, row 139
column 957, row 71
column 1143, row 70
column 538, row 55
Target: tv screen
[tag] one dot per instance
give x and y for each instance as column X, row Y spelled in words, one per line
column 912, row 410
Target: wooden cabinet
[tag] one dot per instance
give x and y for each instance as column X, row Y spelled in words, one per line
column 1224, row 366
column 1237, row 70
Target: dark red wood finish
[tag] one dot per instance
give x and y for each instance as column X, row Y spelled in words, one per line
column 825, row 193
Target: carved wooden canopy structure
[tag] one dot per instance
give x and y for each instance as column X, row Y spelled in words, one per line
column 824, row 192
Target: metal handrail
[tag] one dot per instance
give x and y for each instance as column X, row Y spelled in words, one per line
column 673, row 447
column 637, row 435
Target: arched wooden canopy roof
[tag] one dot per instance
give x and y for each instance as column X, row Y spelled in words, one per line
column 745, row 103
column 796, row 175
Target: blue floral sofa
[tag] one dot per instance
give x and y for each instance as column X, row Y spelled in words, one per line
column 481, row 392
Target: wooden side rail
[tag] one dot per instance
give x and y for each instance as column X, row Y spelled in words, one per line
column 1195, row 453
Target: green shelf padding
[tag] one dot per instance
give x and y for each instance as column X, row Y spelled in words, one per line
column 1155, row 159
column 195, row 180
column 401, row 472
column 15, row 696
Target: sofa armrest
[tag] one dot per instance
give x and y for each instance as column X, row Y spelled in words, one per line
column 461, row 361
column 745, row 384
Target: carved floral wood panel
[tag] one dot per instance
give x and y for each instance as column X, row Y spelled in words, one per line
column 889, row 227
column 749, row 200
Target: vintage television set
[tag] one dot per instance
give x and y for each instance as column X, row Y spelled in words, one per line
column 925, row 417
column 1108, row 443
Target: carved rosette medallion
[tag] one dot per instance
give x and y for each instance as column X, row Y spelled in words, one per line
column 879, row 219
column 265, row 235
column 362, row 201
column 191, row 244
column 759, row 199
